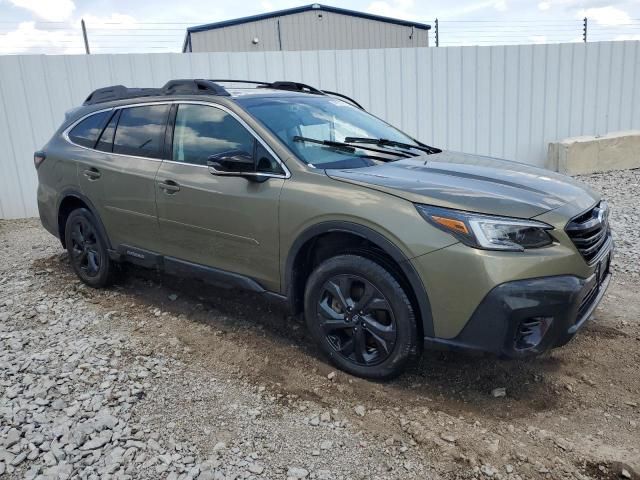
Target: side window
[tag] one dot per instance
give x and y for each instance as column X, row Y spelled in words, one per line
column 202, row 131
column 105, row 142
column 86, row 132
column 140, row 131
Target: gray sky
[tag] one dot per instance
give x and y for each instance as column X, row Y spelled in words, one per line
column 119, row 26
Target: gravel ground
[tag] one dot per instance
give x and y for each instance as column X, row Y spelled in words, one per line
column 622, row 190
column 160, row 377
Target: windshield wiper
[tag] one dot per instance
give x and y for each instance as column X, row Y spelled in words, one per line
column 350, row 148
column 327, row 143
column 392, row 143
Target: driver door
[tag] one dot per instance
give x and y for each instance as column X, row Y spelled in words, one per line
column 226, row 222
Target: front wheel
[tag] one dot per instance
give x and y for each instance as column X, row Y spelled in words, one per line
column 87, row 250
column 360, row 317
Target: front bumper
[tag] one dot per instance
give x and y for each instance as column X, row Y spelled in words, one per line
column 526, row 317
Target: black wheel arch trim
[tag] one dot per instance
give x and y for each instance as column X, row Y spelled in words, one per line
column 79, row 196
column 382, row 242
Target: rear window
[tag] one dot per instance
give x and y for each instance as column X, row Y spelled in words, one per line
column 140, row 131
column 86, row 132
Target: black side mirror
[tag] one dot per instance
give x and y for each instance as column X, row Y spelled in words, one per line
column 234, row 163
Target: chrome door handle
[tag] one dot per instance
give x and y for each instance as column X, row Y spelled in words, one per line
column 169, row 186
column 92, row 173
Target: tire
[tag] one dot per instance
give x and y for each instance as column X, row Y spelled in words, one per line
column 88, row 249
column 360, row 317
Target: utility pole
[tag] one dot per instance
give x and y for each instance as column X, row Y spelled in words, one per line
column 84, row 35
column 437, row 34
column 584, row 30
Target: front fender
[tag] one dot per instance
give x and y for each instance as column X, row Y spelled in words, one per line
column 383, row 243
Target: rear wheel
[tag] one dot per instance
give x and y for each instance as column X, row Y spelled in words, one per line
column 87, row 250
column 360, row 317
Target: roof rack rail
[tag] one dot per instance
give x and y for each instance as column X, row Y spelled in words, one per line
column 117, row 92
column 278, row 85
column 230, row 80
column 172, row 87
column 190, row 86
column 341, row 95
column 293, row 87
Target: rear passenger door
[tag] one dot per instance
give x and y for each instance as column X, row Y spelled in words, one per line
column 120, row 180
column 229, row 223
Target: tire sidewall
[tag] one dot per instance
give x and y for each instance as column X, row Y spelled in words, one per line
column 406, row 339
column 105, row 275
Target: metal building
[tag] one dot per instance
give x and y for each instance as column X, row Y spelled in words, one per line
column 311, row 27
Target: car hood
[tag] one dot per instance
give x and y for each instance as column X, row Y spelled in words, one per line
column 474, row 183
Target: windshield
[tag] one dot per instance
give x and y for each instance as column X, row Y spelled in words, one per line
column 304, row 123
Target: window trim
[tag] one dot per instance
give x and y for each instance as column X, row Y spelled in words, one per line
column 114, row 115
column 287, row 172
column 161, row 150
column 102, row 127
column 170, row 138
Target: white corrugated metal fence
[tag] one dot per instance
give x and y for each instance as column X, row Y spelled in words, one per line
column 504, row 101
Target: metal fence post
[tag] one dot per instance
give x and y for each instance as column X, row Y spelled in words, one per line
column 584, row 30
column 437, row 34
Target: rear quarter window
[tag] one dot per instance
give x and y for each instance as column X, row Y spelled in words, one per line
column 87, row 131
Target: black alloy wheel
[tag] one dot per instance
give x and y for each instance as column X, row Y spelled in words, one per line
column 84, row 247
column 357, row 319
column 361, row 317
column 87, row 249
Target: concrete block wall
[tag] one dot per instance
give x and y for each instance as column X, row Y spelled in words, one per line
column 590, row 154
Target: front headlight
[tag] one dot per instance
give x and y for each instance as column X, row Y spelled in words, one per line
column 487, row 231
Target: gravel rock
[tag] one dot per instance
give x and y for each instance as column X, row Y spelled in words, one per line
column 326, row 445
column 499, row 392
column 219, row 446
column 360, row 410
column 297, row 473
column 95, row 443
column 487, row 470
column 18, row 459
column 13, row 437
column 448, row 438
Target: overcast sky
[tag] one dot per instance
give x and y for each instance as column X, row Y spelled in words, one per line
column 53, row 26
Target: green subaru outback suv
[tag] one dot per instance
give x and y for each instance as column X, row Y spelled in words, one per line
column 387, row 245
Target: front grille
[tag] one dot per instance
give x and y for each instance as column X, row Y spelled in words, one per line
column 589, row 231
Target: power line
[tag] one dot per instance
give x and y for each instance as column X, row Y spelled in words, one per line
column 168, row 36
